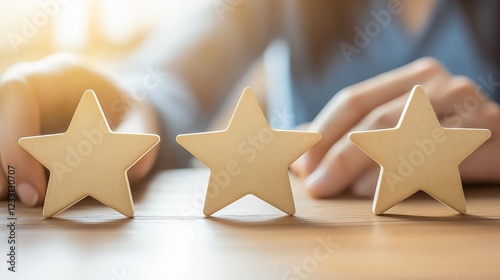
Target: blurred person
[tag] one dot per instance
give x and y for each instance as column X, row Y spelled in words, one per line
column 351, row 67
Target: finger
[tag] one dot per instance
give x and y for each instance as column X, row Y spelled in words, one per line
column 470, row 108
column 295, row 167
column 482, row 164
column 345, row 162
column 341, row 166
column 349, row 106
column 462, row 104
column 366, row 184
column 19, row 117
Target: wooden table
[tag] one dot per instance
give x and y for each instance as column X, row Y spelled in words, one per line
column 169, row 238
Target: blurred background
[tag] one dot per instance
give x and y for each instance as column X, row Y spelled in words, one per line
column 104, row 33
column 99, row 29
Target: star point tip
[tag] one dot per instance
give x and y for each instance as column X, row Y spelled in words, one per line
column 486, row 133
column 128, row 213
column 354, row 136
column 418, row 88
column 89, row 91
column 247, row 90
column 180, row 138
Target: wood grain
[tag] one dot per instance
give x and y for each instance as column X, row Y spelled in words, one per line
column 170, row 238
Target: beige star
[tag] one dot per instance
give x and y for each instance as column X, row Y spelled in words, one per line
column 248, row 157
column 419, row 154
column 88, row 160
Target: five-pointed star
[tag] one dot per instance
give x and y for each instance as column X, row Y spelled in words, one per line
column 419, row 154
column 88, row 160
column 248, row 157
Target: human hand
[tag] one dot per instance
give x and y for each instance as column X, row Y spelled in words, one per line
column 335, row 164
column 40, row 98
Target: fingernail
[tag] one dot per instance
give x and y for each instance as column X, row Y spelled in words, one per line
column 27, row 194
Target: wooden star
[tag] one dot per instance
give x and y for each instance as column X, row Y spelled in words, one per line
column 88, row 160
column 419, row 154
column 248, row 157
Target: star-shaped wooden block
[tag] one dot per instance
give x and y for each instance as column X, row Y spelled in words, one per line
column 248, row 157
column 419, row 154
column 88, row 160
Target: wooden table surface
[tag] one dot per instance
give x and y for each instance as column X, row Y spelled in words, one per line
column 169, row 238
